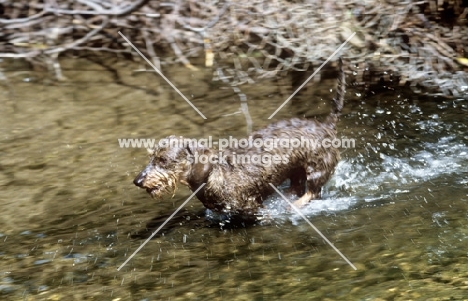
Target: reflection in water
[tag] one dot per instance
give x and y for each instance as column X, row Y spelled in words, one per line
column 396, row 206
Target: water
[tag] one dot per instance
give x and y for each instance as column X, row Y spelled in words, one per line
column 396, row 206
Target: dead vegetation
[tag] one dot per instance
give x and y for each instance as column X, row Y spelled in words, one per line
column 423, row 44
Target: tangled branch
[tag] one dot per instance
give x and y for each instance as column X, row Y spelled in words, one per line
column 420, row 43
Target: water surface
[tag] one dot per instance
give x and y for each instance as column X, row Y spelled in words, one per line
column 396, row 206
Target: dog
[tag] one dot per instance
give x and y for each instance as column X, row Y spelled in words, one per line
column 239, row 186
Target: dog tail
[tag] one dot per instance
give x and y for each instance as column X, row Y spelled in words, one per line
column 338, row 100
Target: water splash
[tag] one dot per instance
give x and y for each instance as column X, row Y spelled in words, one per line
column 377, row 179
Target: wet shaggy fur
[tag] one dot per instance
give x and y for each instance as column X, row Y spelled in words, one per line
column 241, row 187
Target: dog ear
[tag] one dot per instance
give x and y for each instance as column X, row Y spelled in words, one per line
column 201, row 165
column 200, row 172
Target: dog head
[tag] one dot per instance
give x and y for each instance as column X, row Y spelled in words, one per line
column 168, row 164
column 172, row 161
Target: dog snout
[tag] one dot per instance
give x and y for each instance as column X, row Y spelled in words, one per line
column 140, row 179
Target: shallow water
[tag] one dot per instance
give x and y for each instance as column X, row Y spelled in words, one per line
column 396, row 206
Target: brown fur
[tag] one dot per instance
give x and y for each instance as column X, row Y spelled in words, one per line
column 242, row 187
